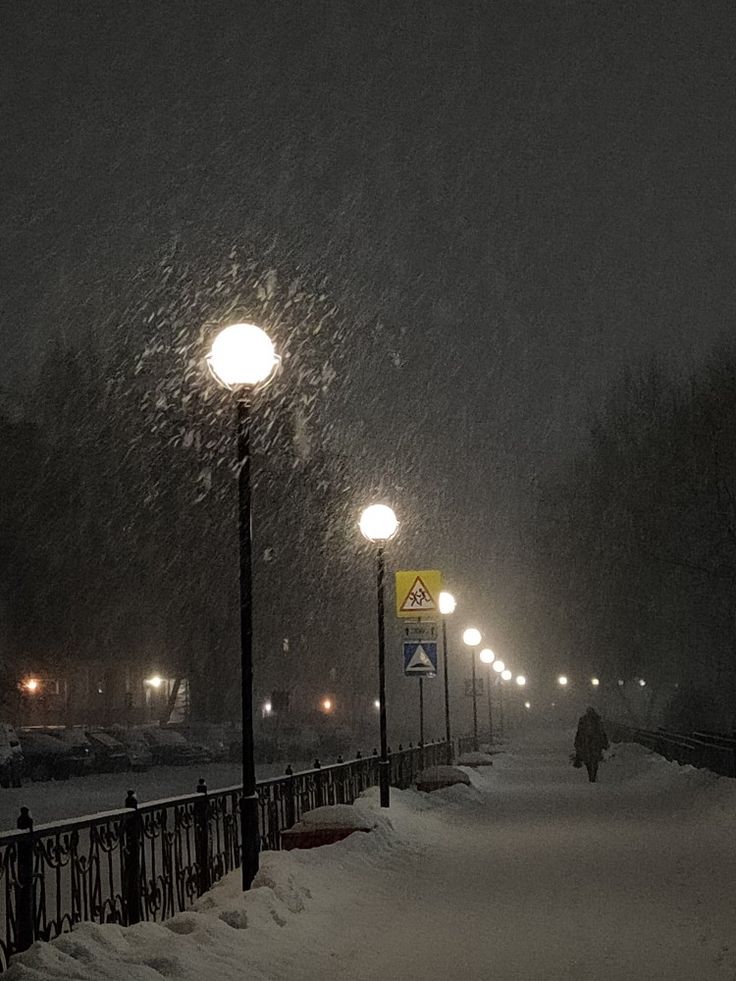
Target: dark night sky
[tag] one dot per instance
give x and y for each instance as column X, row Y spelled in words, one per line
column 527, row 195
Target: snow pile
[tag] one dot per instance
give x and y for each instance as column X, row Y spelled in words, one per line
column 349, row 817
column 529, row 873
column 437, row 777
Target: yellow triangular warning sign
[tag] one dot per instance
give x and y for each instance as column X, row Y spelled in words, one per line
column 418, row 599
column 418, row 593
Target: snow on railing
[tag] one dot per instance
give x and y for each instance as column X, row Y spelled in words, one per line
column 150, row 861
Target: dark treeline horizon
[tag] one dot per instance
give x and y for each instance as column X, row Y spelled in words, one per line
column 118, row 540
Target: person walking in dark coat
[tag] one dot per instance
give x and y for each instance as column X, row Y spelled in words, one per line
column 590, row 741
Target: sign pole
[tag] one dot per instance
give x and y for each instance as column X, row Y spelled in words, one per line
column 421, row 722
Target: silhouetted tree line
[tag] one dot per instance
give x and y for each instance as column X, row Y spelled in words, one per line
column 634, row 542
column 118, row 528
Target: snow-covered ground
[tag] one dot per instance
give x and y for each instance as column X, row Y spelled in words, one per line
column 56, row 800
column 530, row 874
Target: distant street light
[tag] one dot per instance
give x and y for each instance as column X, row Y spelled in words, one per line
column 595, row 682
column 520, row 680
column 327, row 704
column 242, row 359
column 377, row 703
column 488, row 657
column 154, row 682
column 471, row 638
column 31, row 685
column 642, row 682
column 527, row 705
column 379, row 524
column 267, row 708
column 447, row 608
column 499, row 666
column 562, row 680
column 506, row 675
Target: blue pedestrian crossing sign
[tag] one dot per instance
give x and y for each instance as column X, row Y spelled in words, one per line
column 420, row 658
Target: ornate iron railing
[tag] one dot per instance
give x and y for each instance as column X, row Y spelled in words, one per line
column 707, row 750
column 151, row 861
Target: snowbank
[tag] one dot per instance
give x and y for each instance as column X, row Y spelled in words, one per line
column 530, row 872
column 437, row 777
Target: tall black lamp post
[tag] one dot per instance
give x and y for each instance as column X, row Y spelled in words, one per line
column 472, row 638
column 379, row 524
column 243, row 360
column 447, row 608
column 488, row 657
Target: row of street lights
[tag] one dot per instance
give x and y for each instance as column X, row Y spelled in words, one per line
column 243, row 361
column 563, row 681
column 472, row 638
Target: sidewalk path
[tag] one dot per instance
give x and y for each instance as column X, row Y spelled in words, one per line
column 533, row 874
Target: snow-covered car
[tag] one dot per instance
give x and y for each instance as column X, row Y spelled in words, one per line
column 109, row 755
column 11, row 757
column 81, row 755
column 139, row 753
column 170, row 748
column 209, row 735
column 45, row 758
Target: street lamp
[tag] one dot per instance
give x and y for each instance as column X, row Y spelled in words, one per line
column 595, row 682
column 488, row 657
column 506, row 675
column 520, row 680
column 562, row 681
column 379, row 524
column 242, row 360
column 447, row 608
column 471, row 638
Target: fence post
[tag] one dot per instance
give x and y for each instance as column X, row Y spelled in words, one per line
column 131, row 862
column 202, row 836
column 318, row 787
column 289, row 802
column 25, row 926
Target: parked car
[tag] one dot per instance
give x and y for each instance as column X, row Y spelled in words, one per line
column 170, row 748
column 209, row 735
column 11, row 757
column 81, row 756
column 109, row 754
column 139, row 753
column 45, row 758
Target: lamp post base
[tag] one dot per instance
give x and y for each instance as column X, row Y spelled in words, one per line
column 384, row 780
column 250, row 839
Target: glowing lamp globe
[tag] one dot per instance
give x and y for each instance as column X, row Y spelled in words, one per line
column 378, row 523
column 506, row 675
column 487, row 656
column 242, row 356
column 447, row 604
column 562, row 680
column 594, row 682
column 498, row 666
column 471, row 637
column 520, row 680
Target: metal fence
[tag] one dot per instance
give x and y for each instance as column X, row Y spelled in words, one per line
column 151, row 861
column 706, row 750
